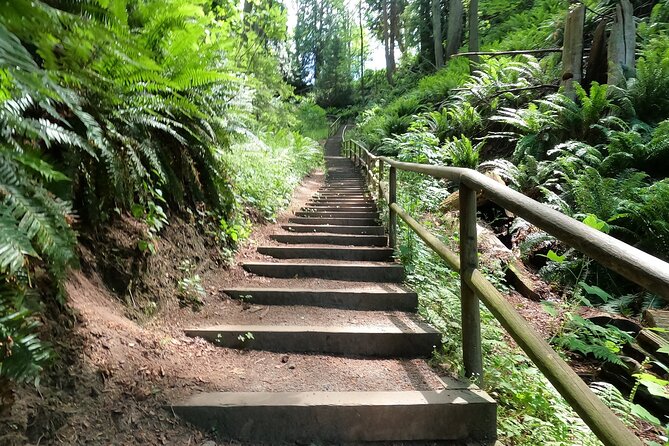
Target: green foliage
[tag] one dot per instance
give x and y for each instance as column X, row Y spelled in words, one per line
column 322, row 56
column 22, row 354
column 529, row 408
column 460, row 152
column 312, row 120
column 189, row 287
column 104, row 110
column 459, row 120
column 521, row 24
column 649, row 91
column 265, row 173
column 587, row 338
column 557, row 118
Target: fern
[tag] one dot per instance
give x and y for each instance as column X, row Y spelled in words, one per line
column 460, row 152
column 587, row 338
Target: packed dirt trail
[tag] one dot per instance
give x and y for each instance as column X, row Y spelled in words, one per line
column 312, row 338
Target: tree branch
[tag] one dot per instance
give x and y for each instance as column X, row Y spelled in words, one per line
column 511, row 52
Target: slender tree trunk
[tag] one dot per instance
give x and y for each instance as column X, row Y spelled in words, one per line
column 437, row 35
column 392, row 34
column 426, row 41
column 386, row 42
column 362, row 50
column 473, row 33
column 455, row 16
column 597, row 64
column 349, row 43
column 318, row 50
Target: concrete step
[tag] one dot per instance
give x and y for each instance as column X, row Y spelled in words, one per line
column 360, row 230
column 344, row 190
column 344, row 198
column 462, row 416
column 347, row 253
column 331, row 239
column 386, row 341
column 356, row 272
column 335, row 221
column 325, row 207
column 337, row 214
column 351, row 299
column 351, row 194
column 341, row 201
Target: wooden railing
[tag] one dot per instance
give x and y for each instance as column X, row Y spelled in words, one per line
column 334, row 126
column 638, row 266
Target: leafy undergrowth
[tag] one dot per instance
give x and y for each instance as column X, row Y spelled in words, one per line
column 106, row 114
column 266, row 172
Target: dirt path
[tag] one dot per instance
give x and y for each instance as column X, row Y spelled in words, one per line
column 115, row 377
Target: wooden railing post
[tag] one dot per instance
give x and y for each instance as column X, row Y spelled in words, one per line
column 471, row 317
column 380, row 177
column 392, row 215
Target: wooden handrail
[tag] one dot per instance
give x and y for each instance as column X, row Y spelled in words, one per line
column 334, row 126
column 646, row 270
column 630, row 262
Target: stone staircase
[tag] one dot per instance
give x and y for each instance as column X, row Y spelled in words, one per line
column 336, row 239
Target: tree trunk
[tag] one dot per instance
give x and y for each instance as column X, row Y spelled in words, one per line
column 437, row 35
column 426, row 41
column 392, row 34
column 622, row 43
column 596, row 68
column 362, row 50
column 473, row 33
column 389, row 51
column 572, row 53
column 455, row 16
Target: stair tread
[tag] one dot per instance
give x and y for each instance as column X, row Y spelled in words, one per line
column 415, row 328
column 380, row 290
column 359, row 398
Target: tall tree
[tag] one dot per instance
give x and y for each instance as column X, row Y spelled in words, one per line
column 437, row 35
column 455, row 19
column 323, row 53
column 385, row 22
column 362, row 49
column 473, row 32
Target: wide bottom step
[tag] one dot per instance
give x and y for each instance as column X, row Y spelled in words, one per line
column 462, row 415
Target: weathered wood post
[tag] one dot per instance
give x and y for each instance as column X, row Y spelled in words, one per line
column 380, row 178
column 572, row 52
column 470, row 314
column 622, row 44
column 392, row 216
